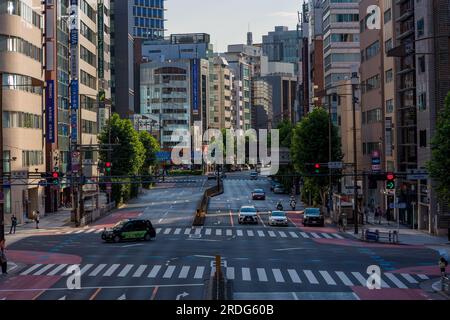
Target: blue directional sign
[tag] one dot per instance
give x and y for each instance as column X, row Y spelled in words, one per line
column 163, row 156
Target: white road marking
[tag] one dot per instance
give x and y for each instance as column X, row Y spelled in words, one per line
column 282, row 234
column 158, row 230
column 409, row 278
column 344, row 278
column 328, row 279
column 250, row 233
column 218, row 232
column 208, row 231
column 57, row 269
column 97, row 270
column 293, row 234
column 111, row 270
column 396, row 281
column 326, row 235
column 85, row 269
column 139, row 271
column 187, row 231
column 184, row 272
column 315, row 235
column 294, row 276
column 262, row 274
column 79, row 231
column 167, row 231
column 304, row 235
column 177, row 231
column 169, row 272
column 154, row 271
column 261, row 233
column 98, row 231
column 423, row 277
column 229, row 232
column 311, row 278
column 47, row 267
column 125, row 270
column 360, row 278
column 230, row 273
column 199, row 272
column 246, row 274
column 272, row 234
column 91, row 230
column 278, row 276
column 337, row 236
column 239, row 233
column 198, row 231
column 31, row 269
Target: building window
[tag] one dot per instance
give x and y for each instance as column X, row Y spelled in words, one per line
column 88, row 56
column 422, row 101
column 423, row 138
column 374, row 116
column 32, row 158
column 420, row 28
column 19, row 8
column 389, row 106
column 421, row 64
column 387, row 15
column 16, row 44
column 389, row 76
column 88, row 80
column 20, row 82
column 12, row 119
column 373, row 50
column 388, row 45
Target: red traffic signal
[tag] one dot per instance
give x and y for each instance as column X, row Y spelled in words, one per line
column 317, row 166
column 55, row 175
column 390, row 176
column 108, row 164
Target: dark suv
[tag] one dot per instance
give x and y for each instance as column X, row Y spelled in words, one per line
column 130, row 229
column 313, row 216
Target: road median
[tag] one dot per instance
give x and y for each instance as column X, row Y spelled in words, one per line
column 202, row 206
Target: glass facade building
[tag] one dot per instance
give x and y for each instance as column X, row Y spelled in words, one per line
column 148, row 19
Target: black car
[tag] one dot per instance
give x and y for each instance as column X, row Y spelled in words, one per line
column 130, row 229
column 313, row 216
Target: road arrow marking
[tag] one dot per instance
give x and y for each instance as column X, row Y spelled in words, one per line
column 132, row 245
column 122, row 297
column 182, row 295
column 62, row 298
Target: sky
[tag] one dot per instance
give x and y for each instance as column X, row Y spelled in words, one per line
column 227, row 21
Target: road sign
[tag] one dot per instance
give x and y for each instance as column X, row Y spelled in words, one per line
column 417, row 175
column 19, row 174
column 335, row 165
column 163, row 156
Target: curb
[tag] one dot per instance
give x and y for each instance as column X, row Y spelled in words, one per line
column 436, row 287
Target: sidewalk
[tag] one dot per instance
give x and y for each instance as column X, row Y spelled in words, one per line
column 59, row 219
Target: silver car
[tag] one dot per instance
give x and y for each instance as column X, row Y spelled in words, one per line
column 248, row 214
column 278, row 218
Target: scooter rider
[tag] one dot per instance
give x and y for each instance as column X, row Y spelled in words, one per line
column 279, row 206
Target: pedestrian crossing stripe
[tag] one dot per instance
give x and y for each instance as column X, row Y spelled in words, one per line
column 260, row 274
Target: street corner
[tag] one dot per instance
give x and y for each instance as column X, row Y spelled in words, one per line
column 29, row 287
column 364, row 293
column 20, row 257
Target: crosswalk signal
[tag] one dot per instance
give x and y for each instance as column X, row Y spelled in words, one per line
column 108, row 167
column 390, row 181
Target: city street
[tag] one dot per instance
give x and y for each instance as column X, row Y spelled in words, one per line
column 261, row 262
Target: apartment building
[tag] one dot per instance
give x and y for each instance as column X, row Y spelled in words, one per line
column 220, row 115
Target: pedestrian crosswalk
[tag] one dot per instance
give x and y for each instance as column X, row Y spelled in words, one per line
column 224, row 232
column 245, row 274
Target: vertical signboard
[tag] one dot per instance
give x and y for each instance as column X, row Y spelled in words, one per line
column 50, row 110
column 100, row 37
column 195, row 86
column 74, row 70
column 376, row 161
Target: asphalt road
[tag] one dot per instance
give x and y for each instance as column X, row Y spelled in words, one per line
column 262, row 262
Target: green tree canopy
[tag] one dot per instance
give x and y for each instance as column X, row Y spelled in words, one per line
column 151, row 146
column 440, row 146
column 285, row 130
column 310, row 145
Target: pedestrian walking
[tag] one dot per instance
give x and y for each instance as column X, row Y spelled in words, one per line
column 37, row 218
column 442, row 266
column 13, row 224
column 388, row 215
column 3, row 260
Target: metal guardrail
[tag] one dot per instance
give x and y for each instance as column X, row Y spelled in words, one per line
column 376, row 236
column 202, row 206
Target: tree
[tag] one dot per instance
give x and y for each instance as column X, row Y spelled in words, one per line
column 440, row 148
column 285, row 130
column 310, row 145
column 127, row 159
column 151, row 146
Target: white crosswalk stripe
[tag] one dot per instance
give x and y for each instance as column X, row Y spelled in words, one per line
column 230, row 273
column 187, row 231
column 208, row 232
column 199, row 272
column 409, row 278
column 294, row 276
column 344, row 278
column 79, row 231
column 315, row 235
column 396, row 281
column 57, row 269
column 229, row 232
column 184, row 272
column 177, row 231
column 198, row 231
column 423, row 277
column 169, row 272
column 44, row 269
column 218, row 232
column 326, row 235
column 250, row 233
column 90, row 230
column 97, row 270
column 282, row 234
column 158, row 230
column 262, row 274
column 125, row 270
column 310, row 276
column 167, row 230
column 98, row 230
column 384, row 284
column 272, row 234
column 85, row 269
column 360, row 278
column 304, row 235
column 337, row 236
column 293, row 234
column 69, row 232
column 154, row 271
column 261, row 234
column 140, row 270
column 246, row 274
column 278, row 276
column 240, row 233
column 31, row 269
column 328, row 279
column 111, row 270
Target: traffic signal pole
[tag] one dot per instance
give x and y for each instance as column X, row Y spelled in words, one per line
column 2, row 198
column 355, row 161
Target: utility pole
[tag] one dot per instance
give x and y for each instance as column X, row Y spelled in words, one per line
column 330, row 198
column 2, row 198
column 355, row 157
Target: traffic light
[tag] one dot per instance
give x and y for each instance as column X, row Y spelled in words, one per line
column 55, row 178
column 108, row 167
column 390, row 181
column 317, row 168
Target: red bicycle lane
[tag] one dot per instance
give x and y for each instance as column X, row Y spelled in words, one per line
column 30, row 287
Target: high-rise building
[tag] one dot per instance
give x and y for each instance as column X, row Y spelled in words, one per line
column 131, row 23
column 23, row 82
column 220, row 115
column 261, row 104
